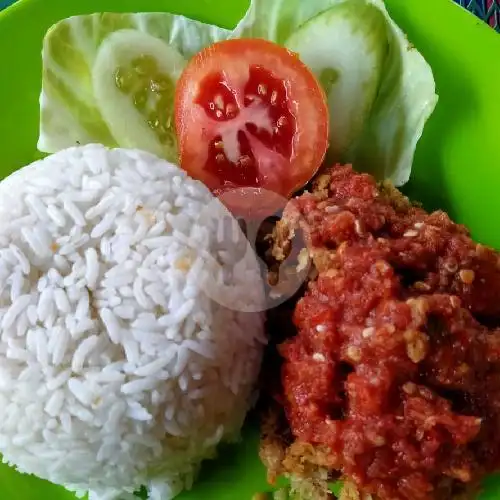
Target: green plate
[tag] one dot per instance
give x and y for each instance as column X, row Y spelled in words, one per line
column 457, row 165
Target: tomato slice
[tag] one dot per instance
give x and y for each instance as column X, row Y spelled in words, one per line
column 249, row 113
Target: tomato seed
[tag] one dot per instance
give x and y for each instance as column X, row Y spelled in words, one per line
column 261, row 89
column 282, row 121
column 274, row 97
column 219, row 101
column 230, row 110
column 245, row 161
column 249, row 99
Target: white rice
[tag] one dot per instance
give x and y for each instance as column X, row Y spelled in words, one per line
column 117, row 366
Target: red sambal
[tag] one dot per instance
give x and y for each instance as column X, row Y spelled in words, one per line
column 396, row 364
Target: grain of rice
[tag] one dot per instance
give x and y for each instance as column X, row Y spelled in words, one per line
column 82, row 351
column 18, row 354
column 42, row 354
column 37, row 207
column 157, row 229
column 23, row 439
column 147, row 274
column 45, row 303
column 139, row 294
column 100, row 208
column 61, row 263
column 112, row 325
column 155, row 366
column 31, row 343
column 56, row 215
column 22, row 325
column 131, row 349
column 23, row 261
column 82, row 326
column 43, row 237
column 59, row 380
column 55, row 403
column 74, row 212
column 104, row 225
column 140, row 232
column 138, row 412
column 183, row 383
column 92, row 267
column 61, row 300
column 81, row 413
column 182, row 361
column 79, row 390
column 82, row 308
column 123, row 312
column 55, row 338
column 54, row 277
column 32, row 314
column 30, row 238
column 204, row 349
column 172, row 427
column 157, row 242
column 16, row 287
column 138, row 385
column 66, row 423
column 157, row 294
column 60, row 348
column 105, row 377
column 16, row 308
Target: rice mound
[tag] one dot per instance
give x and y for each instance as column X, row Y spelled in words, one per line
column 117, row 367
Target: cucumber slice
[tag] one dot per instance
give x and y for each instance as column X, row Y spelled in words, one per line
column 133, row 79
column 345, row 47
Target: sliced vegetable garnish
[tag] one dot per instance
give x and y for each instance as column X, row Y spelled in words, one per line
column 70, row 112
column 134, row 77
column 405, row 101
column 328, row 44
column 352, row 31
column 249, row 113
column 380, row 89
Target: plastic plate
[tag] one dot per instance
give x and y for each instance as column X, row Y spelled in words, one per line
column 457, row 165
